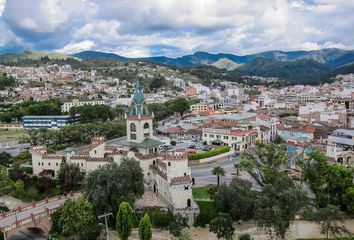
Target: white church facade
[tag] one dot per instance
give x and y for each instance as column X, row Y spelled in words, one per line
column 166, row 174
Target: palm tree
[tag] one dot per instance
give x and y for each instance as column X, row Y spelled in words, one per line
column 218, row 171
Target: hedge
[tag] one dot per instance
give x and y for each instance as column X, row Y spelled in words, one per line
column 210, row 153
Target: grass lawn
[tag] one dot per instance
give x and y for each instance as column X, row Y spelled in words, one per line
column 202, row 192
column 12, row 135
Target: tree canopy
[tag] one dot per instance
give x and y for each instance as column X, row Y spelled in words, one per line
column 112, row 184
column 124, row 224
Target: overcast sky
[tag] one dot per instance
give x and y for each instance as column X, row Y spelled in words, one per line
column 140, row 28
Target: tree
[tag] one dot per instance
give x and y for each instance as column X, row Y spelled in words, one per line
column 278, row 140
column 277, row 205
column 124, row 224
column 76, row 218
column 70, row 177
column 331, row 220
column 237, row 199
column 177, row 225
column 105, row 188
column 5, row 159
column 6, row 184
column 265, row 163
column 348, row 200
column 19, row 189
column 222, row 227
column 218, row 171
column 22, row 158
column 329, row 182
column 145, row 232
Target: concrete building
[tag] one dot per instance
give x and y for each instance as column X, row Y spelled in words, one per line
column 340, row 146
column 240, row 140
column 77, row 103
column 46, row 122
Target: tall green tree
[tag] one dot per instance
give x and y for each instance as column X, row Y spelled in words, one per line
column 265, row 162
column 5, row 159
column 237, row 199
column 218, row 171
column 145, row 232
column 6, row 184
column 70, row 177
column 277, row 205
column 105, row 188
column 124, row 224
column 76, row 218
column 331, row 221
column 222, row 227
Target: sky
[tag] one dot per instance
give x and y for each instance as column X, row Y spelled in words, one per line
column 142, row 28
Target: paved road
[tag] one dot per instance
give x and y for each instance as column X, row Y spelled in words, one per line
column 202, row 174
column 27, row 213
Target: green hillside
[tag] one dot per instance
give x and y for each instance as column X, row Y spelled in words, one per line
column 304, row 71
column 225, row 63
column 31, row 55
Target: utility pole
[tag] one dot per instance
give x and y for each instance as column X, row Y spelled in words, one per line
column 105, row 216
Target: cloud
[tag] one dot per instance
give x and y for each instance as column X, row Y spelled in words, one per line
column 175, row 27
column 2, row 6
column 77, row 47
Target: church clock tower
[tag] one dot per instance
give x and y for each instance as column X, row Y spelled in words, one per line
column 139, row 119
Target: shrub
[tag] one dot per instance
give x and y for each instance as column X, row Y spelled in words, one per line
column 28, row 170
column 173, row 143
column 159, row 219
column 207, row 213
column 245, row 236
column 210, row 153
column 32, row 193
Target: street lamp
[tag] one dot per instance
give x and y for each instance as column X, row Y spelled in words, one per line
column 105, row 216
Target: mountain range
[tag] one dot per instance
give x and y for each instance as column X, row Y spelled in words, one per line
column 293, row 66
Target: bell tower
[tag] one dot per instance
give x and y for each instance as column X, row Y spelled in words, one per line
column 139, row 119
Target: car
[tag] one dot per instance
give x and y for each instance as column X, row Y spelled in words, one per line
column 198, row 147
column 192, row 151
column 191, row 146
column 168, row 146
column 235, row 154
column 206, row 148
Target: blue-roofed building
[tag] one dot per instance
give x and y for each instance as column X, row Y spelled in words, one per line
column 46, row 122
column 340, row 146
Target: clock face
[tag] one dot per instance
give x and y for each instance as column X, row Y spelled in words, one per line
column 132, row 127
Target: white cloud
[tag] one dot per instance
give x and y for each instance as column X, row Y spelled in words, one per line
column 2, row 6
column 74, row 47
column 133, row 27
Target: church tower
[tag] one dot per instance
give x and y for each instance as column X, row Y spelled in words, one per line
column 139, row 119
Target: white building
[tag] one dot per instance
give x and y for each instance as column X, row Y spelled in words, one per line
column 77, row 103
column 340, row 146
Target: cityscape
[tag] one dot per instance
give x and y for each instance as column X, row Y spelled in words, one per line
column 191, row 121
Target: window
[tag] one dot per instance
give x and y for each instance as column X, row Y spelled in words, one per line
column 211, row 135
column 82, row 165
column 146, row 126
column 218, row 136
column 49, row 164
column 169, row 164
column 95, row 151
column 57, row 164
column 132, row 127
column 185, row 174
column 185, row 187
column 133, row 136
column 205, row 135
column 226, row 137
column 39, row 163
column 42, row 163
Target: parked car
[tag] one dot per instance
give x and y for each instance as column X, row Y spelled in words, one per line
column 235, row 154
column 198, row 147
column 206, row 148
column 191, row 146
column 192, row 151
